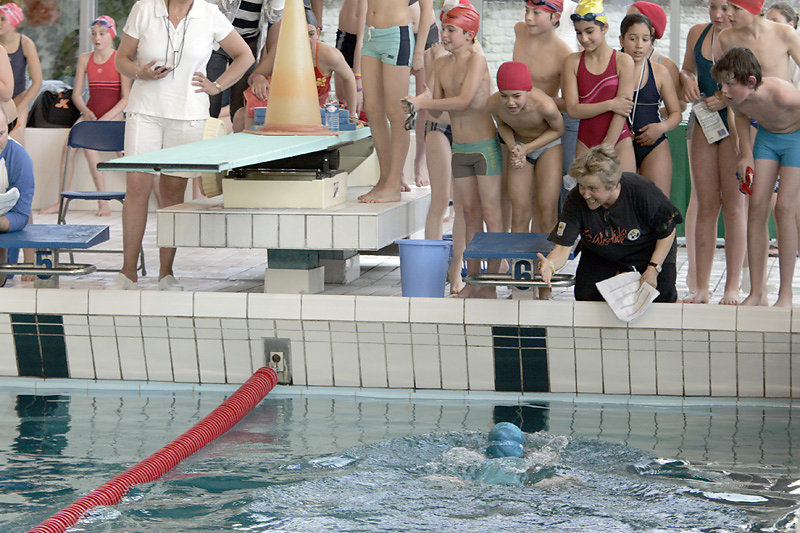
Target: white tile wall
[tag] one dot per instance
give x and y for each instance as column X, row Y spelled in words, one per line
column 131, row 358
column 400, row 367
column 319, row 232
column 184, row 360
column 546, row 313
column 427, row 373
column 238, row 365
column 643, row 371
column 480, row 367
column 437, row 310
column 265, row 231
column 18, row 300
column 696, row 373
column 165, row 236
column 777, row 375
column 596, row 314
column 213, row 231
column 660, row 315
column 589, row 370
column 616, row 372
column 496, row 312
column 159, row 359
column 723, row 374
column 750, row 368
column 79, row 357
column 187, row 229
column 382, row 309
column 212, row 367
column 163, row 303
column 106, row 359
column 345, row 232
column 292, row 232
column 328, row 307
column 454, row 367
column 373, row 365
column 239, row 231
column 220, row 304
column 319, row 365
column 763, row 319
column 346, row 371
column 669, row 373
column 59, row 302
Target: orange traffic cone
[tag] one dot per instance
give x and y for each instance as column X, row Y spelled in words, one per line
column 293, row 102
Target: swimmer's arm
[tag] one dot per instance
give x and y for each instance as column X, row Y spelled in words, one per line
column 77, row 88
column 689, row 90
column 624, row 90
column 475, row 71
column 24, row 99
column 670, row 97
column 267, row 61
column 503, row 129
column 362, row 22
column 726, row 39
column 554, row 119
column 6, row 77
column 741, row 133
column 425, row 22
column 348, row 80
column 793, row 45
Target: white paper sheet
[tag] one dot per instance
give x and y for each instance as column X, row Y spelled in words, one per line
column 626, row 298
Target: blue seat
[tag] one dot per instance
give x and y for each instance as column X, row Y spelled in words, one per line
column 102, row 136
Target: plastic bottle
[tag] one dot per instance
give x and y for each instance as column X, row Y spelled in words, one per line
column 332, row 113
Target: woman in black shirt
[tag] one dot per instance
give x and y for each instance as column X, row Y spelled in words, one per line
column 625, row 223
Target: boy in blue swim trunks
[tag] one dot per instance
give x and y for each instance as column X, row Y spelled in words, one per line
column 388, row 55
column 775, row 104
column 461, row 87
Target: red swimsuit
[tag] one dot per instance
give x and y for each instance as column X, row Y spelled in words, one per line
column 105, row 88
column 323, row 81
column 593, row 88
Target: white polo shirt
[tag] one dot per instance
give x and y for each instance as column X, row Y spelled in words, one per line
column 188, row 46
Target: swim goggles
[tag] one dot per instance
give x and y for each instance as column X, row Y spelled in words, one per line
column 588, row 17
column 544, row 3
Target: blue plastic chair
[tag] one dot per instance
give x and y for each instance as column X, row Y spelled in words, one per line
column 102, row 136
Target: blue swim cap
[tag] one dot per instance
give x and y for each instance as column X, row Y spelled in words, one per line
column 505, row 440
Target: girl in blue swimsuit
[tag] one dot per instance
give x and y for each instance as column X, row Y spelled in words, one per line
column 653, row 158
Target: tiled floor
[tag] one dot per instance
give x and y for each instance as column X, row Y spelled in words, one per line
column 237, row 270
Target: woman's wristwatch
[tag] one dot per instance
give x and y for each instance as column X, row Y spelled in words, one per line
column 655, row 265
column 218, row 86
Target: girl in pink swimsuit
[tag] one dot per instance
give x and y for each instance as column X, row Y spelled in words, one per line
column 598, row 86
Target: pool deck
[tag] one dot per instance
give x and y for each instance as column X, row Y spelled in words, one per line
column 242, row 270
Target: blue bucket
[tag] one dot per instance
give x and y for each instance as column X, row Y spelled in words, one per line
column 423, row 266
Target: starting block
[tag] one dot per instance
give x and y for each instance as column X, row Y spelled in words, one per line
column 521, row 250
column 48, row 240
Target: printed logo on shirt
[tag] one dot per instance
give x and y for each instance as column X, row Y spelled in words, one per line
column 634, row 234
column 561, row 227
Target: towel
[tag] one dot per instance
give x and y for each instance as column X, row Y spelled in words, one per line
column 626, row 297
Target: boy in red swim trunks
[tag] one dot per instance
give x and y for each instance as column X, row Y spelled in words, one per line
column 461, row 87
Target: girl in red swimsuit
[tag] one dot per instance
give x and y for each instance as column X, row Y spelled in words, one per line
column 108, row 95
column 598, row 86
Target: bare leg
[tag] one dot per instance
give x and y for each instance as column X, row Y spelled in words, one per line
column 627, row 159
column 505, row 198
column 468, row 203
column 134, row 220
column 438, row 160
column 384, row 87
column 657, row 167
column 757, row 240
column 690, row 221
column 68, row 180
column 547, row 189
column 421, row 176
column 734, row 215
column 173, row 190
column 459, row 244
column 785, row 212
column 704, row 163
column 92, row 159
column 520, row 195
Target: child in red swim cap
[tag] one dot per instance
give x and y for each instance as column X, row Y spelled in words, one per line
column 530, row 125
column 461, row 87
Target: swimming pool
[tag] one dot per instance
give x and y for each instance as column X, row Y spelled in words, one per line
column 356, row 463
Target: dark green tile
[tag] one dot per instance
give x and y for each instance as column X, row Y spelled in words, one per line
column 505, row 331
column 506, row 342
column 528, row 342
column 54, row 356
column 24, row 329
column 29, row 356
column 534, row 370
column 50, row 319
column 507, row 376
column 18, row 318
column 51, row 329
column 533, row 332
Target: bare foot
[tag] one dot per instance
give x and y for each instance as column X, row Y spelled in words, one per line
column 405, row 187
column 754, row 299
column 730, row 297
column 697, row 298
column 545, row 293
column 27, row 277
column 50, row 210
column 467, row 291
column 421, row 177
column 103, row 209
column 456, row 283
column 380, row 195
column 784, row 301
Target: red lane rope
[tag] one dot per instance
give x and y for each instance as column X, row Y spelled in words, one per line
column 220, row 420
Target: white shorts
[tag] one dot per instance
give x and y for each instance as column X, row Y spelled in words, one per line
column 146, row 133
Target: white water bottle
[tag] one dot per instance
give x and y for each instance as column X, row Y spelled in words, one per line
column 332, row 113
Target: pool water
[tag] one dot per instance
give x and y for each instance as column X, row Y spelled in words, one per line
column 339, row 463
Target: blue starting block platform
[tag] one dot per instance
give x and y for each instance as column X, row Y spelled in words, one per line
column 48, row 240
column 519, row 248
